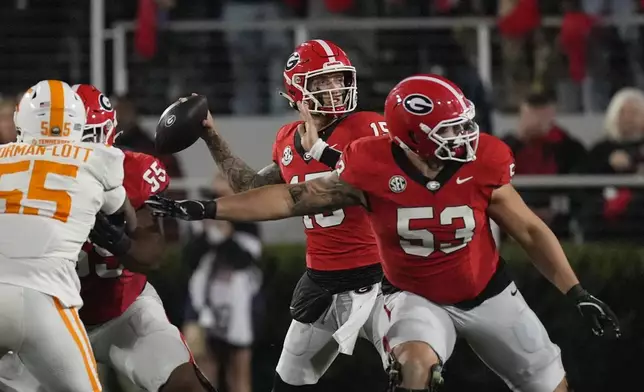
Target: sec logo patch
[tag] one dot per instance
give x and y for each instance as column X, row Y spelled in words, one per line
column 397, row 184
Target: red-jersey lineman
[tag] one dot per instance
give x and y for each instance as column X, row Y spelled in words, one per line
column 128, row 327
column 343, row 265
column 431, row 188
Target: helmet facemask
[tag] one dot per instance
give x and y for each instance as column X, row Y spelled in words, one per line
column 457, row 142
column 332, row 90
column 456, row 139
column 104, row 133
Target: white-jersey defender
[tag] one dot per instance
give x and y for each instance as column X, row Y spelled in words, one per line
column 51, row 188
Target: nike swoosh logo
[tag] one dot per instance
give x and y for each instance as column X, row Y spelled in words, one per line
column 514, row 292
column 460, row 181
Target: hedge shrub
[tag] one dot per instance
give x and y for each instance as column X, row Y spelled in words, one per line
column 612, row 272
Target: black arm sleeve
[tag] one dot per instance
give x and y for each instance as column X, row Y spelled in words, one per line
column 330, row 157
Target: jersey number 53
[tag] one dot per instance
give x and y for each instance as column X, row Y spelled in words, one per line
column 421, row 242
column 101, row 269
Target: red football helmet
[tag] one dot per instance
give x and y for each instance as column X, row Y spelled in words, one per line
column 430, row 116
column 335, row 95
column 101, row 116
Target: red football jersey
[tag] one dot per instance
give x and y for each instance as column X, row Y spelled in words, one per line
column 434, row 235
column 107, row 288
column 344, row 239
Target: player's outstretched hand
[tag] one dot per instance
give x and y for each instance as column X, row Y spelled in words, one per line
column 597, row 314
column 308, row 130
column 181, row 209
column 109, row 236
column 208, row 123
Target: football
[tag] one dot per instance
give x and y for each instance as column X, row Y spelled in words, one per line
column 180, row 125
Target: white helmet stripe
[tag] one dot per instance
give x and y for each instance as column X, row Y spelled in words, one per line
column 327, row 49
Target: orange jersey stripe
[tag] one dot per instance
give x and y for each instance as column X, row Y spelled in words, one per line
column 91, row 373
column 57, row 105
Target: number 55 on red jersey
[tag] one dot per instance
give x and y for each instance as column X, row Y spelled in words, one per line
column 107, row 288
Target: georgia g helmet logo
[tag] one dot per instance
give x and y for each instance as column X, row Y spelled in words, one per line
column 418, row 104
column 170, row 120
column 105, row 103
column 292, row 61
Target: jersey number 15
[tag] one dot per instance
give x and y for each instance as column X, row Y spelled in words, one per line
column 322, row 220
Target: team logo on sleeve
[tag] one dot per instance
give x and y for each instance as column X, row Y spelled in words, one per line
column 418, row 104
column 287, row 156
column 397, row 184
column 292, row 61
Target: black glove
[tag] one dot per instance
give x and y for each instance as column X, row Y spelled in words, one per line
column 109, row 236
column 182, row 209
column 601, row 318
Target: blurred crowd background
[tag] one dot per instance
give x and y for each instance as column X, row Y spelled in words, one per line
column 562, row 87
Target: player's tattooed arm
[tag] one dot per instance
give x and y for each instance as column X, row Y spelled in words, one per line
column 320, row 195
column 241, row 177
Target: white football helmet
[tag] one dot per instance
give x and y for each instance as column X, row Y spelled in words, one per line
column 50, row 113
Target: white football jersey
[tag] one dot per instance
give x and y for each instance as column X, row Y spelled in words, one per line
column 49, row 197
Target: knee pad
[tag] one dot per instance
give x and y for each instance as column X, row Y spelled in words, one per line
column 394, row 372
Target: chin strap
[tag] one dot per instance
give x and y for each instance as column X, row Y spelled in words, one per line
column 290, row 100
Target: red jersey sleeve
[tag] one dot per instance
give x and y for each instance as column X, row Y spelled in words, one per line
column 499, row 161
column 145, row 176
column 507, row 169
column 275, row 156
column 277, row 151
column 349, row 166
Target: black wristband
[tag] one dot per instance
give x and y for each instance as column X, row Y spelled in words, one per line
column 330, row 157
column 209, row 209
column 576, row 292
